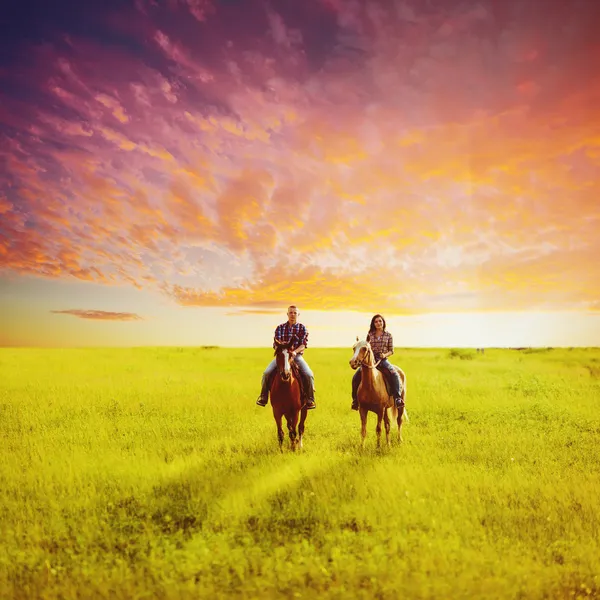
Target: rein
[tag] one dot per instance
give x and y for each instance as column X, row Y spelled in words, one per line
column 364, row 364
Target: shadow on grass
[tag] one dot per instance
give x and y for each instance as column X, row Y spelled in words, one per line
column 252, row 495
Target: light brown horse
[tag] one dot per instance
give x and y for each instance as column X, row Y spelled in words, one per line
column 286, row 397
column 373, row 395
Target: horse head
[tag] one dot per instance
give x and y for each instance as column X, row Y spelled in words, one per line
column 363, row 354
column 282, row 358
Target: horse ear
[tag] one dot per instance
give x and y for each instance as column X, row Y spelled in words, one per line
column 357, row 338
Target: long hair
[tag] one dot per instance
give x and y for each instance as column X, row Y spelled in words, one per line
column 372, row 326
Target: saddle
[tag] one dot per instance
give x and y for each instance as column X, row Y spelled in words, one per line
column 298, row 376
column 386, row 379
column 388, row 383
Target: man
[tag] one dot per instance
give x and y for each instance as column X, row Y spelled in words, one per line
column 284, row 333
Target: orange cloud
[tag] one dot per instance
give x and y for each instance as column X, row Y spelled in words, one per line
column 115, row 107
column 99, row 315
column 311, row 287
column 256, row 311
column 188, row 212
column 240, row 206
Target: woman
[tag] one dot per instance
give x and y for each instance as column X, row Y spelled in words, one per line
column 383, row 346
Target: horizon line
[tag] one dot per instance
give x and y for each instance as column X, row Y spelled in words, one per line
column 216, row 347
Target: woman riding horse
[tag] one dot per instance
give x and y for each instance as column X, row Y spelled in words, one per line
column 382, row 344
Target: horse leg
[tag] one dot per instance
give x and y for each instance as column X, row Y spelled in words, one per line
column 378, row 428
column 280, row 434
column 363, row 421
column 386, row 422
column 399, row 421
column 292, row 421
column 301, row 426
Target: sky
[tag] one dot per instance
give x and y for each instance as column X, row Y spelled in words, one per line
column 178, row 172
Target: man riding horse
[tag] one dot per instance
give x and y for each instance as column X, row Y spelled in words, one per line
column 291, row 331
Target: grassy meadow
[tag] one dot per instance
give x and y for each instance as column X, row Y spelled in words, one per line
column 150, row 473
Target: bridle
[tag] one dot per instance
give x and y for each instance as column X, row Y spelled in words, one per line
column 368, row 350
column 293, row 365
column 281, row 370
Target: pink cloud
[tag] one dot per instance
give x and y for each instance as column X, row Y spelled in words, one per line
column 310, row 160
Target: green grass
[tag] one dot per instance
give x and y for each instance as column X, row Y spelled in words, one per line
column 150, row 473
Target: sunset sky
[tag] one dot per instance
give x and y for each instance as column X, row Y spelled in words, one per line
column 176, row 172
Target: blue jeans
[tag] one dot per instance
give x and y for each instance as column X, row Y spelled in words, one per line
column 305, row 371
column 394, row 377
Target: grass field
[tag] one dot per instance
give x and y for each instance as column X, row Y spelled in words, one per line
column 150, row 473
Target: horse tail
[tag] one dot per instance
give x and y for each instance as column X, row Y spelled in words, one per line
column 402, row 375
column 403, row 379
column 405, row 415
column 403, row 394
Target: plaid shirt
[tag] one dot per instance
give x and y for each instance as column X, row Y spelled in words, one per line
column 385, row 343
column 285, row 332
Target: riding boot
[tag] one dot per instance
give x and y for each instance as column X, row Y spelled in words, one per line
column 395, row 383
column 308, row 388
column 263, row 398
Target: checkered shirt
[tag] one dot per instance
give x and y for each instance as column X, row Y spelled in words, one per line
column 285, row 332
column 385, row 343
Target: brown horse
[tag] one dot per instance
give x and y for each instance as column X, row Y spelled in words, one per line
column 373, row 395
column 286, row 397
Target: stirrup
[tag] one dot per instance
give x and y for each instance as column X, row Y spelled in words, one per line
column 310, row 404
column 354, row 405
column 262, row 401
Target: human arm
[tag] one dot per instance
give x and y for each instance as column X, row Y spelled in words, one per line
column 302, row 338
column 298, row 350
column 390, row 347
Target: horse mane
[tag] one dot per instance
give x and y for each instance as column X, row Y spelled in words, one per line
column 358, row 342
column 282, row 346
column 367, row 345
column 364, row 342
column 370, row 351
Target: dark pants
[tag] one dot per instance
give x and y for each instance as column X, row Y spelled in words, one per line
column 388, row 370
